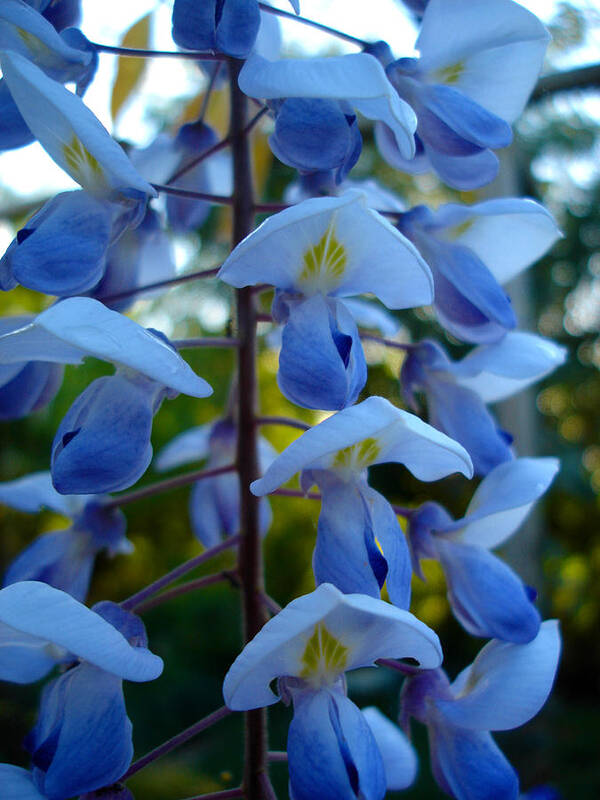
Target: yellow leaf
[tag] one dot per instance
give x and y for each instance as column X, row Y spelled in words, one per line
column 130, row 70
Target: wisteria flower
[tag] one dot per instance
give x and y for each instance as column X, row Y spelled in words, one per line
column 360, row 544
column 485, row 595
column 503, row 688
column 316, row 253
column 457, row 391
column 308, row 647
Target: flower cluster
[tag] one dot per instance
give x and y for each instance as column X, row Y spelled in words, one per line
column 97, row 248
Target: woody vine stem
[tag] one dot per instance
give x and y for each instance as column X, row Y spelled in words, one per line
column 250, row 566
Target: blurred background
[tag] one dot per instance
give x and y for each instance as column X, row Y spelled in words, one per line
column 554, row 159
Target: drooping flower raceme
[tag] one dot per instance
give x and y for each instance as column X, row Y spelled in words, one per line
column 503, row 688
column 309, row 646
column 82, row 738
column 103, row 443
column 360, row 544
column 457, row 391
column 63, row 558
column 465, row 246
column 215, row 502
column 466, row 88
column 315, row 253
column 485, row 595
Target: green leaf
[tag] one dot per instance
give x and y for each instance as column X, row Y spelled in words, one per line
column 130, row 70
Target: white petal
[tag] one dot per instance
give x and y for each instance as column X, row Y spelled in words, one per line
column 25, row 31
column 70, row 132
column 503, row 499
column 80, row 326
column 54, row 616
column 358, row 78
column 499, row 370
column 382, row 433
column 493, row 54
column 399, row 757
column 507, row 684
column 35, row 491
column 368, row 628
column 192, row 445
column 527, row 225
column 360, row 251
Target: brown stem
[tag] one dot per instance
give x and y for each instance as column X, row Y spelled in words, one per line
column 177, row 591
column 296, row 493
column 191, row 276
column 387, row 342
column 223, row 795
column 319, row 25
column 177, row 740
column 208, row 341
column 250, row 568
column 169, row 483
column 136, row 52
column 286, row 421
column 136, row 599
column 217, row 199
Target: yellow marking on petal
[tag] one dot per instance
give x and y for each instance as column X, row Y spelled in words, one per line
column 324, row 264
column 82, row 164
column 379, row 547
column 357, row 456
column 324, row 658
column 450, row 75
column 458, row 230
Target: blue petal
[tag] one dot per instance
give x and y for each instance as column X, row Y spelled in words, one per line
column 33, row 387
column 468, row 300
column 469, row 765
column 82, row 739
column 215, row 508
column 332, row 754
column 389, row 536
column 465, row 117
column 464, row 172
column 342, row 554
column 462, row 414
column 64, row 559
column 14, row 131
column 61, row 250
column 194, row 24
column 229, row 26
column 321, row 364
column 313, row 135
column 103, row 442
column 18, row 784
column 63, row 13
column 486, row 596
column 237, row 26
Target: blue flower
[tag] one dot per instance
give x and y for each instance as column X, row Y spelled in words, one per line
column 503, row 688
column 457, row 391
column 315, row 254
column 65, row 558
column 360, row 544
column 485, row 595
column 464, row 109
column 215, row 502
column 465, row 248
column 309, row 646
